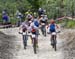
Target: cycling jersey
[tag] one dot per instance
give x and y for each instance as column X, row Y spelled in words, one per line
column 24, row 26
column 32, row 28
column 36, row 23
column 52, row 28
column 43, row 20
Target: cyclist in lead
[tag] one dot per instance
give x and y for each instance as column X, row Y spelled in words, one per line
column 34, row 28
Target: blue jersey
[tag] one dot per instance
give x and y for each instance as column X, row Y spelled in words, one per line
column 5, row 17
column 52, row 28
column 36, row 23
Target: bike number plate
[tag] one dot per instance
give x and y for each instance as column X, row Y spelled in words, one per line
column 43, row 23
column 24, row 33
column 54, row 33
column 33, row 36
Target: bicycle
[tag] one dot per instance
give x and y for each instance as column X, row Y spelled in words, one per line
column 34, row 39
column 25, row 38
column 53, row 40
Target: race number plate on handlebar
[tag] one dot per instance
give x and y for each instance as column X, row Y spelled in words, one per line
column 24, row 33
column 54, row 33
column 33, row 36
column 42, row 23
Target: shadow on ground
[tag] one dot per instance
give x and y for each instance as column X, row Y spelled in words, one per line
column 69, row 45
column 6, row 46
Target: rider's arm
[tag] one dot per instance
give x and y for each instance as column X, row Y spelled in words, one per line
column 57, row 26
column 48, row 26
column 20, row 27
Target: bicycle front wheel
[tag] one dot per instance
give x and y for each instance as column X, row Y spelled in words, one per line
column 34, row 46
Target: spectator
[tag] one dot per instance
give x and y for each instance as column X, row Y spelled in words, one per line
column 19, row 17
column 5, row 18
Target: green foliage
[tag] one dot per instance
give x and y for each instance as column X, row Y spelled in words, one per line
column 71, row 24
column 36, row 4
column 59, row 8
column 54, row 8
column 67, row 23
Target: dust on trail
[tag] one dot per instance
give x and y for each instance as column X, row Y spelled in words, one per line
column 69, row 43
column 9, row 44
column 12, row 46
column 6, row 46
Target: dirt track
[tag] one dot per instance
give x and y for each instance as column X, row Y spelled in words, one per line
column 11, row 46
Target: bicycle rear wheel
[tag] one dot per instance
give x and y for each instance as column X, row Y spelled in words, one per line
column 55, row 47
column 54, row 42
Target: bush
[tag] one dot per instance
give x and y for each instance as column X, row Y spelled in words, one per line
column 67, row 23
column 70, row 24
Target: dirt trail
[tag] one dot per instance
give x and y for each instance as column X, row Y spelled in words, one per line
column 11, row 47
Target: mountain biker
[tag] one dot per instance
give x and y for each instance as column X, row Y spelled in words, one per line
column 34, row 23
column 34, row 29
column 43, row 22
column 24, row 27
column 52, row 27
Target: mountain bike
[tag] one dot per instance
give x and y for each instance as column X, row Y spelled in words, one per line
column 53, row 40
column 34, row 39
column 25, row 38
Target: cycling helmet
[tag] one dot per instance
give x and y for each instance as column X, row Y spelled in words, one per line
column 52, row 21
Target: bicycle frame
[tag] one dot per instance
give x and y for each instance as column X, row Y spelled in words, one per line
column 25, row 38
column 53, row 40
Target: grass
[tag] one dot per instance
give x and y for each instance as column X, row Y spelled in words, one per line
column 70, row 24
column 67, row 23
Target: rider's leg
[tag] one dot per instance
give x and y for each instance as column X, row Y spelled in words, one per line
column 24, row 41
column 44, row 31
column 31, row 39
column 51, row 39
column 41, row 29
